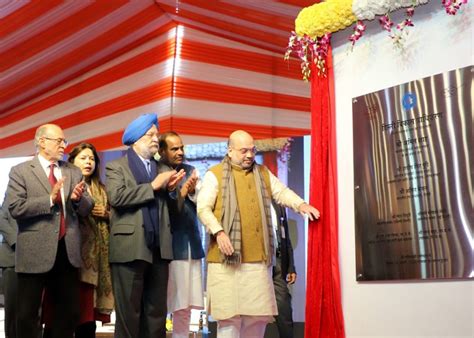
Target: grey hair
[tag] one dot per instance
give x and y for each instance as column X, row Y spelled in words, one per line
column 40, row 132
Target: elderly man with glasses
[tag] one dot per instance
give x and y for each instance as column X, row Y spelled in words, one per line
column 235, row 205
column 46, row 195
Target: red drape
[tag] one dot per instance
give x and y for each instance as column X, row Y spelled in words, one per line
column 323, row 292
column 270, row 160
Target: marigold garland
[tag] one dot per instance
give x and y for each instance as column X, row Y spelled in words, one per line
column 325, row 17
column 314, row 25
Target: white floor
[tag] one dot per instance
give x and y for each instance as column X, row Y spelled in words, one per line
column 100, row 328
column 109, row 328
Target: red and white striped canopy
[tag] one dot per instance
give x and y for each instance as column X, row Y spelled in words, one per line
column 205, row 67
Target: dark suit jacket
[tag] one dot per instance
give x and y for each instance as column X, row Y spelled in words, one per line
column 28, row 194
column 286, row 249
column 8, row 229
column 126, row 197
column 185, row 224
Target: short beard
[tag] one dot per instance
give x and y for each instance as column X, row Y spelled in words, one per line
column 144, row 152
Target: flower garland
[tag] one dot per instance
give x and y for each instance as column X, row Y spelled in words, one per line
column 309, row 51
column 368, row 9
column 397, row 36
column 314, row 25
column 325, row 17
column 452, row 7
column 218, row 150
column 284, row 154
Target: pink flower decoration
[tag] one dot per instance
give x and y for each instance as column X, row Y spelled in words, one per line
column 452, row 6
column 314, row 51
column 359, row 30
column 386, row 23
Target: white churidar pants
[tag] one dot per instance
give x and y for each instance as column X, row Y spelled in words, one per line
column 184, row 293
column 242, row 327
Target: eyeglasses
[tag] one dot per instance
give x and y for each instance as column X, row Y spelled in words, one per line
column 244, row 151
column 58, row 140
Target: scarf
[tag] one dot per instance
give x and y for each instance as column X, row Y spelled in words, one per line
column 95, row 254
column 230, row 219
column 149, row 209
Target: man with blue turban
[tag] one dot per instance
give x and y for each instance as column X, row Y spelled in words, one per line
column 140, row 237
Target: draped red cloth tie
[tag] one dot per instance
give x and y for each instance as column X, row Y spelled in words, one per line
column 324, row 317
column 52, row 180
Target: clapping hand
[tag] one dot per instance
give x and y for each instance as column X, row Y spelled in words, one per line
column 175, row 179
column 189, row 187
column 167, row 179
column 78, row 191
column 100, row 210
column 56, row 190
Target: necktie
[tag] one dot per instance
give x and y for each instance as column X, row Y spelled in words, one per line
column 148, row 168
column 52, row 180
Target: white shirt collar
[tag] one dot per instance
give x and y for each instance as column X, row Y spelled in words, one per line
column 144, row 160
column 45, row 163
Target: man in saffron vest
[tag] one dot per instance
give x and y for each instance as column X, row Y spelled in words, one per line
column 235, row 205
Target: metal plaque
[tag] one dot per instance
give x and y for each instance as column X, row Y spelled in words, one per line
column 413, row 175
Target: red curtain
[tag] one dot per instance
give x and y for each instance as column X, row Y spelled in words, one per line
column 270, row 160
column 323, row 292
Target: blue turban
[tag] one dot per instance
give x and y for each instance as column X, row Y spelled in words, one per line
column 138, row 127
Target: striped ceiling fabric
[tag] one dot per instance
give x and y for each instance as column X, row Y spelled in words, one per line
column 205, row 67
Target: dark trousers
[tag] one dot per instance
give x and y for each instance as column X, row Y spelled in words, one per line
column 62, row 282
column 85, row 330
column 284, row 319
column 140, row 290
column 10, row 294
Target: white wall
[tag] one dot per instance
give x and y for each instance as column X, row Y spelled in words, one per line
column 5, row 166
column 436, row 44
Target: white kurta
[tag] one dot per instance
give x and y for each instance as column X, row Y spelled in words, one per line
column 185, row 285
column 245, row 289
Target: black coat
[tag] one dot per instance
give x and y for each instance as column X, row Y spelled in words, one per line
column 185, row 225
column 286, row 249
